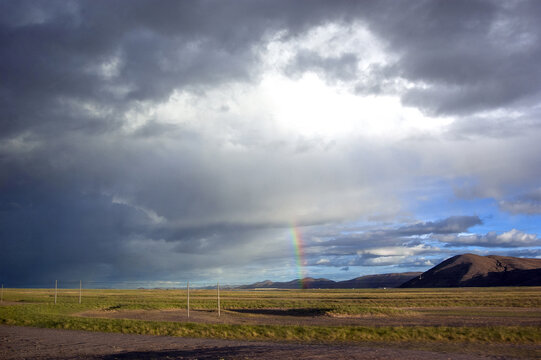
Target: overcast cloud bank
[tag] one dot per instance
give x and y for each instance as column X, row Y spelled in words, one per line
column 173, row 140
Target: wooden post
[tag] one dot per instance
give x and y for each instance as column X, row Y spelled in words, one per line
column 188, row 306
column 80, row 290
column 218, row 287
column 2, row 295
column 55, row 290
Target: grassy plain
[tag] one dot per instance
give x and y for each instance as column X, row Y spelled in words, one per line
column 513, row 315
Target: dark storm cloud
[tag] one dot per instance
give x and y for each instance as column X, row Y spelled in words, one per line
column 460, row 56
column 111, row 54
column 473, row 55
column 52, row 232
column 529, row 204
column 470, row 55
column 453, row 224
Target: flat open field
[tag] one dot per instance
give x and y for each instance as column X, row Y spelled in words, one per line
column 413, row 323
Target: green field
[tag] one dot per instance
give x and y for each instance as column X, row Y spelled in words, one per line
column 513, row 314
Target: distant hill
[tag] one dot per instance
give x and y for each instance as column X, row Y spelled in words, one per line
column 307, row 283
column 368, row 281
column 475, row 270
column 391, row 280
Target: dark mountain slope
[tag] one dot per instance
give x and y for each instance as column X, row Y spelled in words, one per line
column 368, row 281
column 475, row 270
column 378, row 281
column 307, row 283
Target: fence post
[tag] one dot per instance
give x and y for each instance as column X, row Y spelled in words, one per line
column 55, row 290
column 218, row 287
column 80, row 290
column 2, row 295
column 188, row 306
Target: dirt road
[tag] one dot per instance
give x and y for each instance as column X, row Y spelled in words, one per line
column 32, row 343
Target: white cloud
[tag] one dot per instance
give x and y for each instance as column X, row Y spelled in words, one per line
column 398, row 250
column 511, row 238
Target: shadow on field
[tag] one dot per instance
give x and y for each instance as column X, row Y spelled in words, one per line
column 283, row 312
column 202, row 353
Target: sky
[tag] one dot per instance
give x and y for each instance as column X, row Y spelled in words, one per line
column 155, row 142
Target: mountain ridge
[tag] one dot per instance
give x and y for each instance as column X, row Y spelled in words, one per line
column 468, row 270
column 368, row 281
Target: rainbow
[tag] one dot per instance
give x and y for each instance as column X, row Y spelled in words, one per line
column 299, row 253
